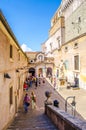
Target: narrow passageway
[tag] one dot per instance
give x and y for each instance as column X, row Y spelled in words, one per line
column 34, row 119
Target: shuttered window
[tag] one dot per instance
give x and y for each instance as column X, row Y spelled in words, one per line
column 11, row 51
column 76, row 62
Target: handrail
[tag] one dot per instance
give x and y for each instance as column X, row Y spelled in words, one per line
column 72, row 104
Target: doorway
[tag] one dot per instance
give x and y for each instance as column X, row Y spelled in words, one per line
column 15, row 104
column 32, row 71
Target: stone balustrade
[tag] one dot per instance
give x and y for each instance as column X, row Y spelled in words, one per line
column 63, row 120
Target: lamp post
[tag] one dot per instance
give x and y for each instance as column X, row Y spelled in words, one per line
column 73, row 103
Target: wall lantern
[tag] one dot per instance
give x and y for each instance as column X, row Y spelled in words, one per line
column 17, row 70
column 21, row 68
column 6, row 75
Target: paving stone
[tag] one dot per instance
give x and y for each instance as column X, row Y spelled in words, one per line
column 34, row 119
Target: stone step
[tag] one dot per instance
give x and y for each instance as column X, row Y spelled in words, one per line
column 35, row 128
column 31, row 121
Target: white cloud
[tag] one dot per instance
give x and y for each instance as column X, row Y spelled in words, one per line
column 25, row 48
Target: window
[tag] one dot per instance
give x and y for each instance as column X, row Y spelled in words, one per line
column 75, row 45
column 58, row 40
column 57, row 73
column 66, row 64
column 18, row 82
column 40, row 57
column 76, row 62
column 11, row 96
column 45, row 48
column 31, row 61
column 51, row 46
column 66, row 49
column 19, row 56
column 11, row 51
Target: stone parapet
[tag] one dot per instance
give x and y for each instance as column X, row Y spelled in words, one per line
column 63, row 120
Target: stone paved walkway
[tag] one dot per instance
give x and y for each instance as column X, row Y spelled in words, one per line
column 36, row 119
column 80, row 98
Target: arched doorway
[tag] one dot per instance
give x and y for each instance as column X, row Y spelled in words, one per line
column 32, row 71
column 40, row 72
column 49, row 72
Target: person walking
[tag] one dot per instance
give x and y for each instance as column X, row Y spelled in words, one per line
column 39, row 81
column 25, row 86
column 36, row 82
column 33, row 100
column 43, row 81
column 54, row 83
column 26, row 102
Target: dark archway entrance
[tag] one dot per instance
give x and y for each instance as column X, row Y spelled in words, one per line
column 40, row 72
column 49, row 72
column 32, row 71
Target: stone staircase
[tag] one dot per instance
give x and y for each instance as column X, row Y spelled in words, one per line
column 36, row 119
column 33, row 120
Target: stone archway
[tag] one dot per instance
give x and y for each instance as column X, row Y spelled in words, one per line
column 49, row 72
column 32, row 71
column 40, row 72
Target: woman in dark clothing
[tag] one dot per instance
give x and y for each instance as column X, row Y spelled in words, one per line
column 36, row 82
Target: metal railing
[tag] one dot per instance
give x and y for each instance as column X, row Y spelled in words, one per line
column 72, row 105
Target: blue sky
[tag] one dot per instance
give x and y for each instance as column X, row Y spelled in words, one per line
column 29, row 20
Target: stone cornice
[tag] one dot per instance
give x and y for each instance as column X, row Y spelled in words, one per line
column 66, row 4
column 82, row 35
